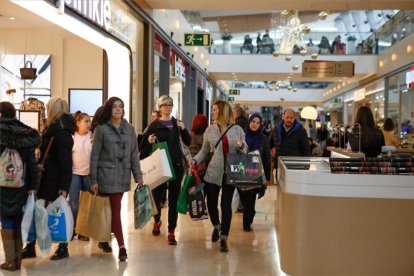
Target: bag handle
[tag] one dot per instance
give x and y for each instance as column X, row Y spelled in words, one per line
column 218, row 142
column 25, row 64
column 47, row 151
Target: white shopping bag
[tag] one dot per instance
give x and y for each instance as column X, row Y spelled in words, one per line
column 44, row 241
column 28, row 222
column 156, row 169
column 60, row 220
column 235, row 201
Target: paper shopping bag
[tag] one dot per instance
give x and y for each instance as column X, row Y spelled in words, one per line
column 164, row 145
column 94, row 217
column 142, row 206
column 156, row 169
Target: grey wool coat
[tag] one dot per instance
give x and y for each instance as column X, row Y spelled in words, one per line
column 215, row 169
column 114, row 155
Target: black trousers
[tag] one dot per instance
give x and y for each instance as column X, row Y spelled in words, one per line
column 212, row 192
column 173, row 187
column 248, row 199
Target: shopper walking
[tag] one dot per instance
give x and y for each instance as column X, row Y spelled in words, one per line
column 230, row 139
column 16, row 136
column 57, row 167
column 81, row 156
column 290, row 137
column 256, row 141
column 167, row 129
column 114, row 156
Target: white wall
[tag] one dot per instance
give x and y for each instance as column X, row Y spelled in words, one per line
column 82, row 66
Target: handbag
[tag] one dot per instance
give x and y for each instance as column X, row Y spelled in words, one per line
column 28, row 73
column 94, row 216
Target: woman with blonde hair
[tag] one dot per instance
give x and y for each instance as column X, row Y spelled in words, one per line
column 57, row 168
column 221, row 138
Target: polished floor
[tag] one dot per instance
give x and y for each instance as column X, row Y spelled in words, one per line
column 252, row 253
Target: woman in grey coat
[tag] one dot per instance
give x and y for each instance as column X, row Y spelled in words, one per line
column 232, row 142
column 114, row 155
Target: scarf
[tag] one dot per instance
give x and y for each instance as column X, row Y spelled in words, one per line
column 253, row 137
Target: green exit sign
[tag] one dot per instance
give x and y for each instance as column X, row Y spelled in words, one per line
column 230, row 99
column 234, row 92
column 197, row 40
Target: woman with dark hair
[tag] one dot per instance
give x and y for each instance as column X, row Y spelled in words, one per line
column 95, row 118
column 170, row 130
column 390, row 138
column 256, row 141
column 16, row 135
column 114, row 156
column 372, row 138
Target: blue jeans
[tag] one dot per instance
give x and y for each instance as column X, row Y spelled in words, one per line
column 79, row 182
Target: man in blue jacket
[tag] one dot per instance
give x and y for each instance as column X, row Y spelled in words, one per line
column 290, row 137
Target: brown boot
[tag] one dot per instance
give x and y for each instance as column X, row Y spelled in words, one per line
column 7, row 236
column 18, row 247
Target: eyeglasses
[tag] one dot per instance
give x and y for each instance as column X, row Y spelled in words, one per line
column 167, row 105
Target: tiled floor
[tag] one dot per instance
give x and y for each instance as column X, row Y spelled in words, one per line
column 253, row 253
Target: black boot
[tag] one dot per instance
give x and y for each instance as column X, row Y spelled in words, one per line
column 29, row 251
column 61, row 252
column 105, row 247
column 122, row 256
column 223, row 246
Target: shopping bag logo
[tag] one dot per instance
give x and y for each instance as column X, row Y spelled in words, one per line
column 57, row 226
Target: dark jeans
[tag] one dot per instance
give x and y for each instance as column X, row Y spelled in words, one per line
column 174, row 187
column 212, row 192
column 248, row 199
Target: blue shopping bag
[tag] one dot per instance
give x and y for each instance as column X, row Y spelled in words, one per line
column 60, row 220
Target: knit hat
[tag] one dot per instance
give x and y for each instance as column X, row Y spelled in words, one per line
column 164, row 99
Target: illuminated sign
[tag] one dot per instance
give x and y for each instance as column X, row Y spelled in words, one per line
column 98, row 11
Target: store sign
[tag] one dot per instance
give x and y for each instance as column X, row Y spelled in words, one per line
column 359, row 94
column 179, row 69
column 234, row 92
column 323, row 69
column 197, row 39
column 98, row 11
column 409, row 78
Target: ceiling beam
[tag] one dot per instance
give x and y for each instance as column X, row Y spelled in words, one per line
column 314, row 5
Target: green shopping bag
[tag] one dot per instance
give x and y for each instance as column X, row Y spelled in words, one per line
column 163, row 145
column 183, row 197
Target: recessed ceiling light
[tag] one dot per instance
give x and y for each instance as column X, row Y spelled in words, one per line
column 233, row 73
column 12, row 18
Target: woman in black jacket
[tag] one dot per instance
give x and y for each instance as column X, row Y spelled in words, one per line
column 16, row 135
column 57, row 169
column 168, row 129
column 255, row 140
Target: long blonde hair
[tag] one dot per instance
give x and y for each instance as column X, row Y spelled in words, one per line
column 56, row 107
column 225, row 115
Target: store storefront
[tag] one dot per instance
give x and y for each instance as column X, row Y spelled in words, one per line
column 400, row 96
column 50, row 36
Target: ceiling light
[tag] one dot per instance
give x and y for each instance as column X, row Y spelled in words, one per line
column 288, row 58
column 409, row 49
column 393, row 57
column 233, row 73
column 12, row 18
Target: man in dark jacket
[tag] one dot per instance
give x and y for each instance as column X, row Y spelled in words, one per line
column 290, row 137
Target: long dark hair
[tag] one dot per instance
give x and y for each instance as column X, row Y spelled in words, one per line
column 388, row 124
column 96, row 117
column 365, row 118
column 106, row 114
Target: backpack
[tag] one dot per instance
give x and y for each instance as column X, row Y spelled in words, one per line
column 11, row 169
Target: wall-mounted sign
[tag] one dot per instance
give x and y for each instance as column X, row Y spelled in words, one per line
column 234, row 91
column 359, row 94
column 409, row 78
column 98, row 11
column 230, row 99
column 323, row 69
column 197, row 40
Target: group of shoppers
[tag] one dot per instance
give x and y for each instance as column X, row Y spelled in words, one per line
column 99, row 156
